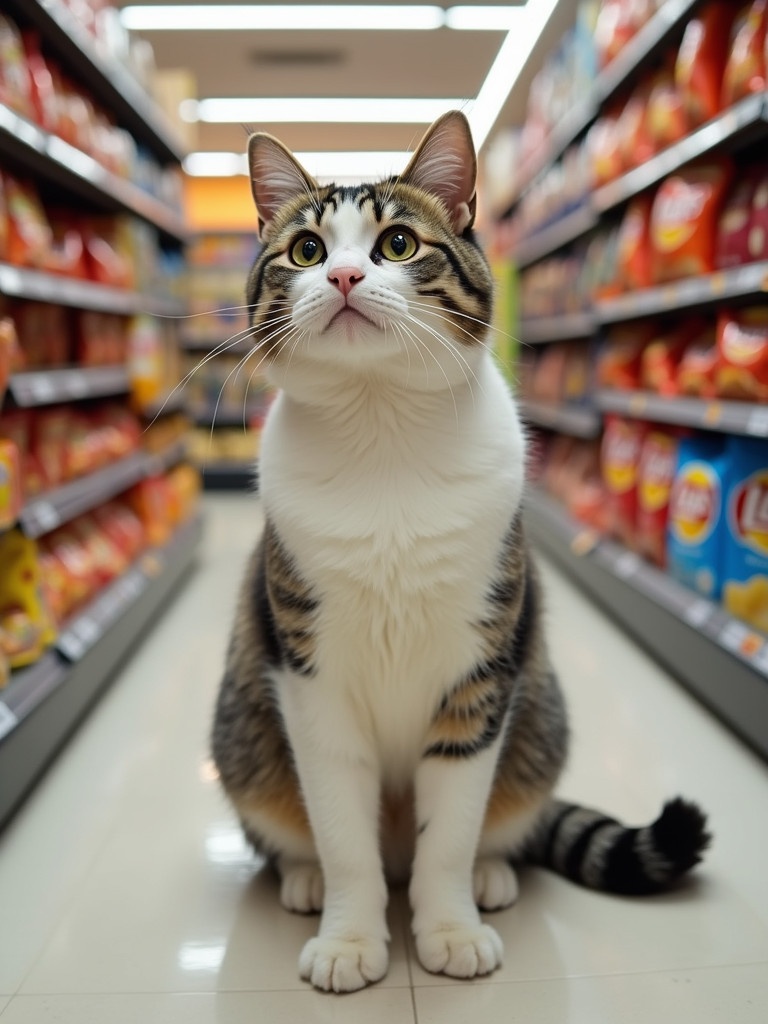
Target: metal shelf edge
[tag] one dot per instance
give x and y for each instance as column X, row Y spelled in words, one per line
column 721, row 660
column 726, row 417
column 577, row 421
column 568, row 326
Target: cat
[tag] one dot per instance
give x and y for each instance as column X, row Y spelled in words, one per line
column 388, row 709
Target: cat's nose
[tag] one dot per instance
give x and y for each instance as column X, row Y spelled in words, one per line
column 345, row 278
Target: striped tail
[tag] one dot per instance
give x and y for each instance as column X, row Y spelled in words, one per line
column 597, row 851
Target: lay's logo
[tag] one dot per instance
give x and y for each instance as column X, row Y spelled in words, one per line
column 694, row 507
column 749, row 512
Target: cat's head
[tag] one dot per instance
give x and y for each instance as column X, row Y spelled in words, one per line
column 383, row 277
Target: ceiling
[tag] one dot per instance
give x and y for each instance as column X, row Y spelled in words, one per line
column 380, row 63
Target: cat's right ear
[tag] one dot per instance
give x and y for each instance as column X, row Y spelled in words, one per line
column 276, row 177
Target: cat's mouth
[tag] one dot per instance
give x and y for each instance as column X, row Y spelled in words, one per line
column 350, row 319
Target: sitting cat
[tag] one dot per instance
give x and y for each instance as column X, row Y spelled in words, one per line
column 388, row 708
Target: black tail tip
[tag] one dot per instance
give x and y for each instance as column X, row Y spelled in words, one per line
column 680, row 834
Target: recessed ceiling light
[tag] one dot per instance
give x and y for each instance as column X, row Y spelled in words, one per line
column 315, row 109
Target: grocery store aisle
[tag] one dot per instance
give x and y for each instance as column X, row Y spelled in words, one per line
column 128, row 897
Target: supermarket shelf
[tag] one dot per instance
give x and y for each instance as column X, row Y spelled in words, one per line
column 229, row 476
column 44, row 387
column 575, row 420
column 24, row 283
column 643, row 47
column 718, row 658
column 745, row 282
column 55, row 161
column 44, row 703
column 209, row 344
column 115, row 85
column 742, row 124
column 567, row 131
column 50, row 510
column 568, row 326
column 548, row 240
column 209, row 416
column 747, row 418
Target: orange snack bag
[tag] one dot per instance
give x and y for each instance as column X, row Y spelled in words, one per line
column 696, row 373
column 620, row 358
column 634, row 140
column 634, row 246
column 701, row 60
column 742, row 349
column 684, row 219
column 29, row 234
column 734, row 228
column 605, row 147
column 745, row 71
column 660, row 359
column 666, row 118
column 10, row 484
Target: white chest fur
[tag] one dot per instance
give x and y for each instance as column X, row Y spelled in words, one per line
column 394, row 508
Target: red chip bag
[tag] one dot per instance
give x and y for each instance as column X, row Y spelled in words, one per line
column 634, row 140
column 735, row 224
column 701, row 60
column 742, row 351
column 696, row 372
column 634, row 246
column 745, row 71
column 757, row 244
column 655, row 476
column 620, row 461
column 660, row 359
column 620, row 358
column 684, row 219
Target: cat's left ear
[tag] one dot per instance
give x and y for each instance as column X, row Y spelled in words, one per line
column 446, row 166
column 276, row 177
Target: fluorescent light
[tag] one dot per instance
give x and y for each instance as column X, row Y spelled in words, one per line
column 374, row 166
column 484, row 19
column 506, row 68
column 236, row 17
column 215, row 164
column 314, row 109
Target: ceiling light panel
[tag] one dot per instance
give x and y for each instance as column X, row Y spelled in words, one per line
column 349, row 110
column 234, row 17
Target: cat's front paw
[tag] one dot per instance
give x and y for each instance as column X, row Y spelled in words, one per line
column 460, row 951
column 343, row 965
column 494, row 883
column 302, row 888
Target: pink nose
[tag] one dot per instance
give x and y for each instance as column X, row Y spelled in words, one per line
column 345, row 278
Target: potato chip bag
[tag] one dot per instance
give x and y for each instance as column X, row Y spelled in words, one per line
column 745, row 573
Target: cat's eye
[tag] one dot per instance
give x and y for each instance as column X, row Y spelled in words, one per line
column 307, row 251
column 397, row 244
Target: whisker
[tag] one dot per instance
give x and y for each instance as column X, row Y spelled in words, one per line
column 458, row 356
column 418, row 341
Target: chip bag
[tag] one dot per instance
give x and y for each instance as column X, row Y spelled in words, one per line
column 655, row 475
column 742, row 349
column 696, row 371
column 745, row 71
column 635, row 264
column 620, row 460
column 745, row 589
column 684, row 219
column 701, row 60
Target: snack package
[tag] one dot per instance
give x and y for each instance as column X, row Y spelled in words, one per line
column 604, row 144
column 734, row 227
column 696, row 370
column 29, row 234
column 26, row 628
column 684, row 219
column 701, row 60
column 15, row 86
column 620, row 461
column 45, row 102
column 620, row 358
column 745, row 68
column 666, row 119
column 153, row 503
column 9, row 353
column 745, row 573
column 634, row 139
column 661, row 357
column 656, row 473
column 696, row 524
column 757, row 244
column 635, row 265
column 742, row 348
column 44, row 333
column 10, row 484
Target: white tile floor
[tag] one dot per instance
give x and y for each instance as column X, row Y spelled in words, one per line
column 128, row 897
